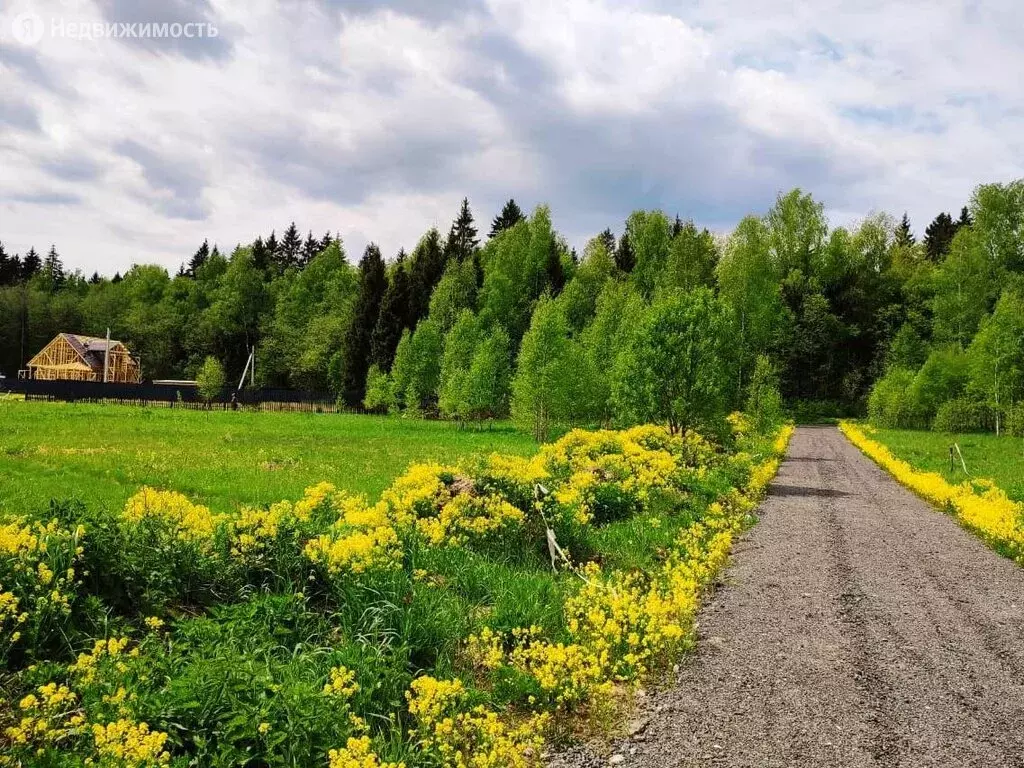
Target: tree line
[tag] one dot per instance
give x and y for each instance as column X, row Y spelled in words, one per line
column 957, row 364
column 665, row 321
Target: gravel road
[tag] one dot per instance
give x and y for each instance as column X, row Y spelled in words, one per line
column 857, row 627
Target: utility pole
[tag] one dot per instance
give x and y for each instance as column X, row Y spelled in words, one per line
column 106, row 356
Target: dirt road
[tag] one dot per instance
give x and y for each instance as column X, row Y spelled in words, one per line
column 857, row 627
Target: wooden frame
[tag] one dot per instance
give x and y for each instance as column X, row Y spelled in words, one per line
column 81, row 358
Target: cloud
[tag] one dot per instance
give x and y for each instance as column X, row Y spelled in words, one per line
column 376, row 118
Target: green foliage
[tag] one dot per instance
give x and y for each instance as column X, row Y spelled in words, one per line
column 997, row 354
column 649, row 234
column 489, row 379
column 963, row 288
column 355, row 354
column 963, row 415
column 692, row 258
column 764, row 401
column 887, row 404
column 907, row 348
column 416, row 372
column 210, row 379
column 942, row 377
column 673, row 369
column 1015, row 420
column 380, row 391
column 455, row 292
column 553, row 382
column 460, row 345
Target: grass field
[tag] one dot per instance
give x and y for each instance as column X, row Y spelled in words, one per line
column 314, row 628
column 101, row 455
column 1000, row 459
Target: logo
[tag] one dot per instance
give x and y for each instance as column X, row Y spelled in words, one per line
column 28, row 28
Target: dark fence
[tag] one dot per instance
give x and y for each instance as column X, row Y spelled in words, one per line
column 174, row 396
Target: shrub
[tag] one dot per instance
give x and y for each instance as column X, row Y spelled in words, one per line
column 943, row 377
column 1015, row 420
column 888, row 405
column 962, row 415
column 764, row 403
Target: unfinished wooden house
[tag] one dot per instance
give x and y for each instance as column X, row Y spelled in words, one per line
column 85, row 358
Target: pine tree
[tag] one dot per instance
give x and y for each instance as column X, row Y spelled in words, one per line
column 199, row 258
column 260, row 255
column 510, row 215
column 31, row 265
column 10, row 268
column 393, row 316
column 462, row 240
column 625, row 259
column 291, row 247
column 608, row 238
column 95, row 279
column 904, row 235
column 938, row 236
column 965, row 219
column 116, row 278
column 677, row 226
column 273, row 249
column 355, row 354
column 556, row 274
column 425, row 269
column 328, row 238
column 215, row 253
column 53, row 269
column 310, row 249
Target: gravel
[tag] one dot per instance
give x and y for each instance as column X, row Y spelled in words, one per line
column 858, row 627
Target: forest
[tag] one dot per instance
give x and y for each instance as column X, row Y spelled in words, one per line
column 664, row 321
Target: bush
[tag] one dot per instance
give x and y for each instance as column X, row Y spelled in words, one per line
column 961, row 415
column 764, row 403
column 943, row 377
column 1015, row 420
column 888, row 405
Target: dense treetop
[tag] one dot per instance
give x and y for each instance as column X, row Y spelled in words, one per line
column 665, row 320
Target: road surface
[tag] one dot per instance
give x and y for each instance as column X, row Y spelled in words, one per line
column 857, row 626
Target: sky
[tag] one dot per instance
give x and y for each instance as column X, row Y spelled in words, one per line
column 374, row 119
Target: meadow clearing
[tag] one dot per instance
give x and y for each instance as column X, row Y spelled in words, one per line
column 1001, row 459
column 458, row 614
column 101, row 455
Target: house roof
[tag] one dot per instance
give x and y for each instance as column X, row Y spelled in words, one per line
column 90, row 348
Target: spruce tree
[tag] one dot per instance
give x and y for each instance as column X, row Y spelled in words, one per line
column 462, row 240
column 425, row 269
column 904, row 235
column 327, row 239
column 95, row 279
column 199, row 258
column 291, row 248
column 273, row 249
column 31, row 265
column 938, row 236
column 116, row 278
column 510, row 215
column 555, row 272
column 393, row 316
column 965, row 219
column 677, row 226
column 625, row 259
column 355, row 361
column 10, row 268
column 53, row 269
column 260, row 255
column 310, row 249
column 608, row 238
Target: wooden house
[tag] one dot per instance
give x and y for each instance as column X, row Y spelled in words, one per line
column 85, row 358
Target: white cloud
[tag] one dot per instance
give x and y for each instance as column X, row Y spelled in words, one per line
column 376, row 119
